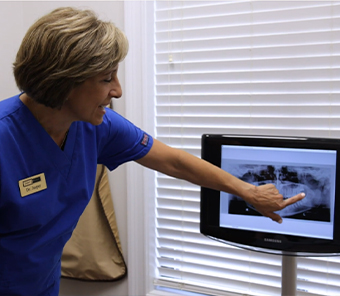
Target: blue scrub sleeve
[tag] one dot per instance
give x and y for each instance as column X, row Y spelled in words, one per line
column 120, row 141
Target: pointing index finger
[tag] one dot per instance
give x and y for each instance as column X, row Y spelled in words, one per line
column 294, row 199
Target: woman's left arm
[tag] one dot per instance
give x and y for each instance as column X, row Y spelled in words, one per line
column 180, row 164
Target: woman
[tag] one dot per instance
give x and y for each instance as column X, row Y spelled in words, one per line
column 55, row 132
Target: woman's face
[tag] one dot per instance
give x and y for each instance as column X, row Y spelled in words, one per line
column 86, row 102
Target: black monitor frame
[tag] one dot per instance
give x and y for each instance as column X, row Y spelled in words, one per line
column 274, row 243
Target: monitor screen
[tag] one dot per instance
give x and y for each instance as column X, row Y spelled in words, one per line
column 293, row 165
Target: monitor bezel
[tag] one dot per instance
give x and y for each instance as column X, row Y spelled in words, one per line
column 274, row 243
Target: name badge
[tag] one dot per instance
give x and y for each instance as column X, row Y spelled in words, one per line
column 32, row 184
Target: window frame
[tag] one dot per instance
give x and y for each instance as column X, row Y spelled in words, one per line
column 140, row 109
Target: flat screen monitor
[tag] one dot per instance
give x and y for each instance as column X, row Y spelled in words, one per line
column 310, row 227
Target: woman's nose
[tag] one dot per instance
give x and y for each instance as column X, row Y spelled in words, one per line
column 116, row 91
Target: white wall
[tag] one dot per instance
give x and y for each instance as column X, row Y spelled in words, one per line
column 15, row 18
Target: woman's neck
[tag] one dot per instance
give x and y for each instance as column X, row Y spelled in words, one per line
column 52, row 120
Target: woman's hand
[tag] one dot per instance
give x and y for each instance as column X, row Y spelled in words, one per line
column 268, row 200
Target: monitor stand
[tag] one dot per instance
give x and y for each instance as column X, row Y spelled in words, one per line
column 288, row 276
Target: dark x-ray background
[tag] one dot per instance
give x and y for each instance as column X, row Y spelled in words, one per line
column 290, row 180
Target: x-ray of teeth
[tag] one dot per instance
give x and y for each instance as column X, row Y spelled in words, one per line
column 289, row 180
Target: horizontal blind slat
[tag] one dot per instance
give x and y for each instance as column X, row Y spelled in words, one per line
column 253, row 111
column 315, row 99
column 182, row 219
column 296, row 40
column 265, row 123
column 253, row 87
column 320, row 56
column 247, row 76
column 261, row 64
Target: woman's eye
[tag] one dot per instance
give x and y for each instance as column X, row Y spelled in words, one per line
column 108, row 80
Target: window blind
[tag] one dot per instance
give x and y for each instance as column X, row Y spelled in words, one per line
column 239, row 67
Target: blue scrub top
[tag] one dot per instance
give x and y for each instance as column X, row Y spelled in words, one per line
column 34, row 228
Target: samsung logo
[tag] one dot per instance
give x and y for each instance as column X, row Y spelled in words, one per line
column 272, row 240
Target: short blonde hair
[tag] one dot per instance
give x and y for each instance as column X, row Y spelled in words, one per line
column 64, row 48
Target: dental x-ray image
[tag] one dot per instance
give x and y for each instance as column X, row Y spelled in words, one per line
column 315, row 181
